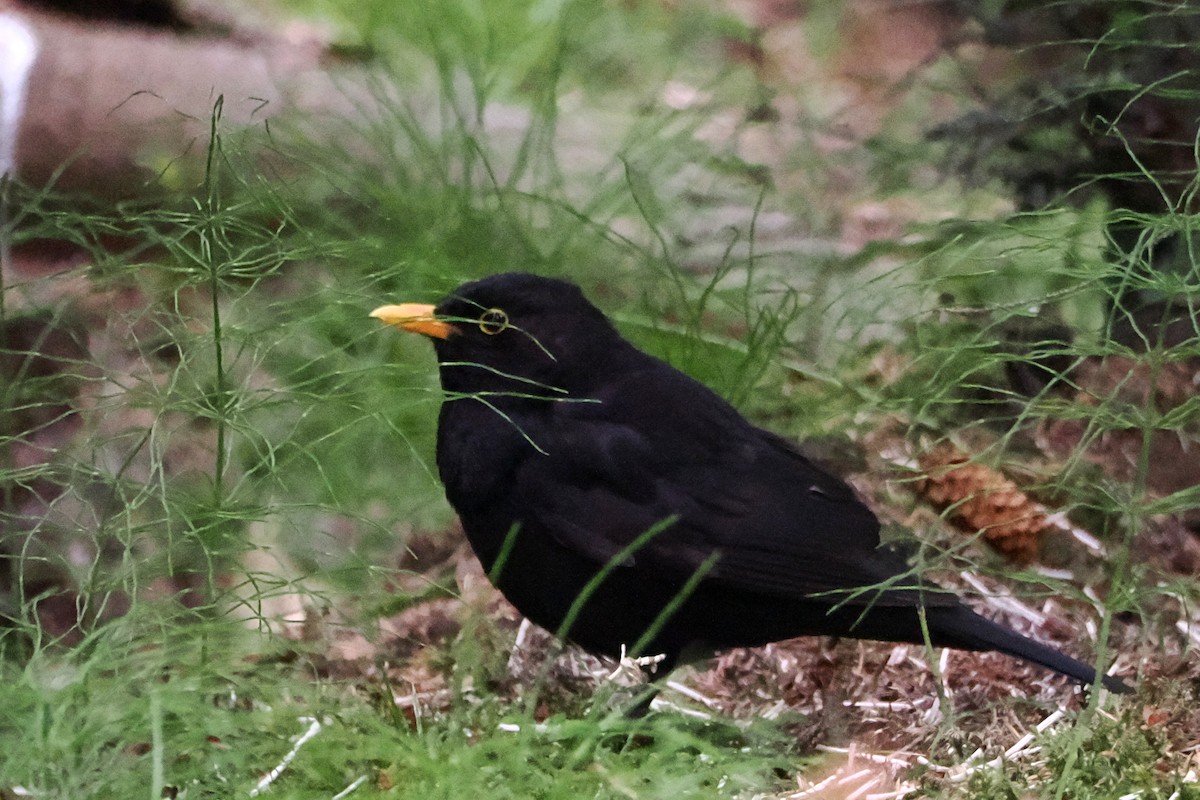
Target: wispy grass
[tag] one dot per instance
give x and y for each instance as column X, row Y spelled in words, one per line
column 140, row 708
column 248, row 447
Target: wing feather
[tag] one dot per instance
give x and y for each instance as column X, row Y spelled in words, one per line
column 781, row 525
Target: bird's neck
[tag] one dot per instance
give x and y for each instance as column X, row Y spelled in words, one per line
column 466, row 380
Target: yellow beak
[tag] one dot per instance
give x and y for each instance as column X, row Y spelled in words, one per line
column 416, row 318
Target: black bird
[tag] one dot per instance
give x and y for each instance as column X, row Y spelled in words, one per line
column 580, row 465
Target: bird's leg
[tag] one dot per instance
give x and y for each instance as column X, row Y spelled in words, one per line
column 646, row 667
column 640, row 706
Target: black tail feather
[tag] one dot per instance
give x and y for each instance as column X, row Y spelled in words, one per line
column 958, row 626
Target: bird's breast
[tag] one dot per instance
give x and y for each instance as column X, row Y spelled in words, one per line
column 479, row 453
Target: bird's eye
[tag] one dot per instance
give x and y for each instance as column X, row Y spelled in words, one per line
column 493, row 321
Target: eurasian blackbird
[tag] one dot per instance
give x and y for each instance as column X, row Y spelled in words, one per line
column 615, row 500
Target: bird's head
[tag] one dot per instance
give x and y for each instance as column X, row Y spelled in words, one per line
column 513, row 333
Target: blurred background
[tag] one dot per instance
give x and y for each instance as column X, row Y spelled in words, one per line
column 944, row 244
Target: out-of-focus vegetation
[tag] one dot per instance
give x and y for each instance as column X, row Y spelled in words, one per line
column 877, row 227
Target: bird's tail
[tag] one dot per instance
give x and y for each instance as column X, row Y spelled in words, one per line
column 958, row 626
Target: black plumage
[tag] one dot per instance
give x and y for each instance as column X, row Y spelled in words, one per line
column 563, row 447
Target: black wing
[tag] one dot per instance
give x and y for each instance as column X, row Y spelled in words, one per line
column 779, row 524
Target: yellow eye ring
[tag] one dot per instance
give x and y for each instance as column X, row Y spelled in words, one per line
column 493, row 321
